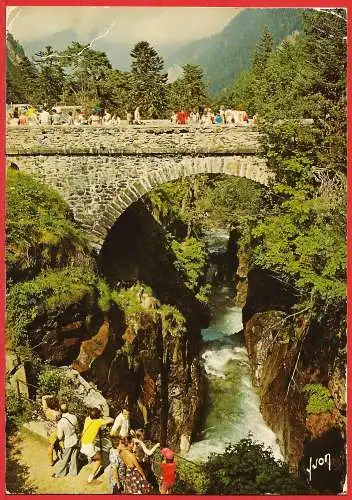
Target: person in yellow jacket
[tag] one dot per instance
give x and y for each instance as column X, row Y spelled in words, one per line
column 92, row 424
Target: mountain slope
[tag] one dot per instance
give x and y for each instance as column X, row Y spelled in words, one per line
column 225, row 55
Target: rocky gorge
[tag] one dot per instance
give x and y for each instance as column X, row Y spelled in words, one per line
column 136, row 334
column 291, row 356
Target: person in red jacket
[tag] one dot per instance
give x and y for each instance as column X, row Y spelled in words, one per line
column 182, row 117
column 168, row 469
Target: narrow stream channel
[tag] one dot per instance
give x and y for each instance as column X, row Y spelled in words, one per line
column 233, row 409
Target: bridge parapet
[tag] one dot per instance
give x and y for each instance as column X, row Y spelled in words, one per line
column 101, row 171
column 136, row 140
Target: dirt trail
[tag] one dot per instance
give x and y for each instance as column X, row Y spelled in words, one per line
column 28, row 471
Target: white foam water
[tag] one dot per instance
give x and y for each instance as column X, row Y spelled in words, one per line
column 234, row 404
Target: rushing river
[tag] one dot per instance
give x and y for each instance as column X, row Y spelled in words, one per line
column 233, row 409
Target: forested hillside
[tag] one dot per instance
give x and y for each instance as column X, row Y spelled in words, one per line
column 225, row 55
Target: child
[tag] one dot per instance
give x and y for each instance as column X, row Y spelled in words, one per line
column 168, row 468
column 117, row 470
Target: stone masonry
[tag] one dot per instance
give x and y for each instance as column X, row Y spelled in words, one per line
column 101, row 171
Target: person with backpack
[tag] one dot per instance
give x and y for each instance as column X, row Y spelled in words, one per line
column 67, row 431
column 92, row 424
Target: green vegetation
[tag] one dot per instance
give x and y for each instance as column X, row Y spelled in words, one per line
column 189, row 91
column 191, row 260
column 18, row 410
column 104, row 300
column 50, row 292
column 39, row 229
column 245, row 468
column 225, row 55
column 319, row 399
column 300, row 232
column 55, row 381
column 129, row 299
column 190, row 478
column 173, row 321
column 148, row 82
column 248, row 468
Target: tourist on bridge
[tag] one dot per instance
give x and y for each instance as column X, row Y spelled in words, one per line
column 121, row 426
column 182, row 117
column 222, row 114
column 137, row 116
column 44, row 117
column 92, row 424
column 193, row 119
column 129, row 118
column 95, row 119
column 70, row 120
column 135, row 479
column 56, row 117
column 52, row 414
column 218, row 119
column 106, row 118
column 143, row 450
column 117, row 469
column 67, row 431
column 22, row 119
column 14, row 117
column 168, row 469
column 115, row 120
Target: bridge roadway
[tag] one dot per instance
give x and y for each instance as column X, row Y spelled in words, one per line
column 101, row 171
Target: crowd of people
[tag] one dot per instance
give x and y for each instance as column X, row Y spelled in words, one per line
column 208, row 117
column 69, row 115
column 130, row 466
column 57, row 116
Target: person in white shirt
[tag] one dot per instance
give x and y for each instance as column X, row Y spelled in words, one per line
column 67, row 430
column 121, row 425
column 137, row 116
column 107, row 119
column 44, row 117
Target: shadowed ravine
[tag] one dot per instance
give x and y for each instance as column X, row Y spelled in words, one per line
column 233, row 404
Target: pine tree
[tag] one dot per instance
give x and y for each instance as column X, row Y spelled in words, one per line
column 51, row 75
column 189, row 91
column 262, row 52
column 148, row 82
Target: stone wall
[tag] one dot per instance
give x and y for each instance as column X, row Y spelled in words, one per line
column 100, row 172
column 132, row 140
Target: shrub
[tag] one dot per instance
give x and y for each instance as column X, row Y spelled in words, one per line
column 191, row 260
column 190, row 478
column 172, row 319
column 39, row 231
column 55, row 381
column 18, row 410
column 247, row 467
column 319, row 398
column 129, row 299
column 104, row 300
column 51, row 291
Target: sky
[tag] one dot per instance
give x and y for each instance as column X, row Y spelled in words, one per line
column 158, row 25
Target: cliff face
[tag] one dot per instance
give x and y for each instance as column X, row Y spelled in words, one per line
column 287, row 352
column 142, row 353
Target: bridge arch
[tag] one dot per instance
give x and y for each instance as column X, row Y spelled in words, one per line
column 100, row 172
column 251, row 167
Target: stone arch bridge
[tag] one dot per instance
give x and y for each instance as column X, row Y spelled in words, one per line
column 101, row 171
